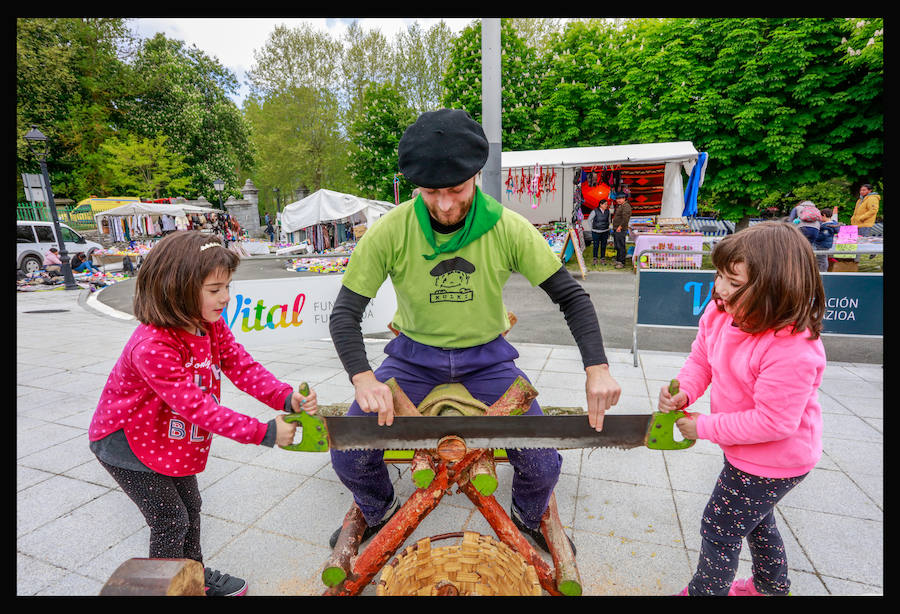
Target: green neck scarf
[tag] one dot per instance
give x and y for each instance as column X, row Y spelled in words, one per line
column 484, row 213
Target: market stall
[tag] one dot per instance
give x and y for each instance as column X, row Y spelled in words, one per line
column 134, row 220
column 672, row 235
column 547, row 185
column 329, row 218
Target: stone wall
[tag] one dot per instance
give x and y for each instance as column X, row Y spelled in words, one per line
column 246, row 210
column 247, row 215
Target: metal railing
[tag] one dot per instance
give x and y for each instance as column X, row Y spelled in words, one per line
column 39, row 212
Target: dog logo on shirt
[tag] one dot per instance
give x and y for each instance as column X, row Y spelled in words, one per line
column 451, row 278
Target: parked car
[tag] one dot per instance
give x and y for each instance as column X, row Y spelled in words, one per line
column 34, row 239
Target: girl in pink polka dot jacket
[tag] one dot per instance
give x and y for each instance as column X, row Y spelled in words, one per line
column 160, row 407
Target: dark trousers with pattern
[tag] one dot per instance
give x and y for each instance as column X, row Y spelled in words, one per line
column 742, row 506
column 171, row 507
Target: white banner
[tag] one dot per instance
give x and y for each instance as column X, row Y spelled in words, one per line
column 266, row 312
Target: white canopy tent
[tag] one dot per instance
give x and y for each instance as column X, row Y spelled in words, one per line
column 678, row 157
column 197, row 209
column 328, row 206
column 116, row 227
column 141, row 209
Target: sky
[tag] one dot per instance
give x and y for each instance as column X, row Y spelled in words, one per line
column 232, row 40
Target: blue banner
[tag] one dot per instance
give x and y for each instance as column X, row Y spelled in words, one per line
column 854, row 301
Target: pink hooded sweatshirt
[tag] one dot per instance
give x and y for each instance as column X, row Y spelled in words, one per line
column 765, row 413
column 164, row 392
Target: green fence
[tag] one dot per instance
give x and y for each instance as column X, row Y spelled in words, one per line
column 39, row 212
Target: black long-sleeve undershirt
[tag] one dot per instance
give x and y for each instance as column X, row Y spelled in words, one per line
column 575, row 303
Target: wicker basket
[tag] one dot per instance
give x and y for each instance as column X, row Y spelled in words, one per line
column 480, row 565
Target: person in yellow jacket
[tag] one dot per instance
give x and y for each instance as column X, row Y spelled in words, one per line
column 866, row 209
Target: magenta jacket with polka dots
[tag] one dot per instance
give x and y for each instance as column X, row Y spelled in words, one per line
column 164, row 392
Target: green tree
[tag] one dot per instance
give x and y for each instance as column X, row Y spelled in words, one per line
column 537, row 32
column 71, row 76
column 297, row 136
column 770, row 100
column 375, row 136
column 583, row 74
column 145, row 167
column 421, row 58
column 184, row 96
column 520, row 74
column 368, row 58
column 293, row 58
column 863, row 49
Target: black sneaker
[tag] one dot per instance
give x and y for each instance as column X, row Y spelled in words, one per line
column 370, row 531
column 223, row 585
column 535, row 534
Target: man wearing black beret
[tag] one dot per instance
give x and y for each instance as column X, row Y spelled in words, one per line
column 449, row 251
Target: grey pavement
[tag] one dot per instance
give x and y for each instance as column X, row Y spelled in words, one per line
column 268, row 513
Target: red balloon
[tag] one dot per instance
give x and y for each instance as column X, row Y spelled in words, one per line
column 594, row 194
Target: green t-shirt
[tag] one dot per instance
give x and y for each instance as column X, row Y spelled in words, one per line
column 456, row 299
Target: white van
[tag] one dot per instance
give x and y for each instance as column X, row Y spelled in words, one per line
column 34, row 239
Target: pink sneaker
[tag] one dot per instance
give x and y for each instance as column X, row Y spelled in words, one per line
column 744, row 588
column 683, row 593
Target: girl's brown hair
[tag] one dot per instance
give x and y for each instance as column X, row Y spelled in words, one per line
column 783, row 289
column 168, row 286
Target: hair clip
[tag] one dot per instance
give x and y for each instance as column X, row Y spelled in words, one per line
column 208, row 245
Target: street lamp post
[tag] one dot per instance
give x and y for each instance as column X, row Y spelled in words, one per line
column 219, row 185
column 277, row 207
column 40, row 147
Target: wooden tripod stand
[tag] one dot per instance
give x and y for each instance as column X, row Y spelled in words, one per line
column 435, row 471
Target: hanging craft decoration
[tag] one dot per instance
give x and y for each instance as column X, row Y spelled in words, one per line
column 594, row 194
column 535, row 182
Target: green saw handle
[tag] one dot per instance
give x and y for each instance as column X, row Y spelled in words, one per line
column 661, row 434
column 315, row 435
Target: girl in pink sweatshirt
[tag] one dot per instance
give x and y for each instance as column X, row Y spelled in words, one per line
column 156, row 416
column 758, row 349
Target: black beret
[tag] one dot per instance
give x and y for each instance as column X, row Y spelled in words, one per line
column 442, row 149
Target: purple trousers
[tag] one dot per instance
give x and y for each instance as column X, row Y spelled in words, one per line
column 486, row 371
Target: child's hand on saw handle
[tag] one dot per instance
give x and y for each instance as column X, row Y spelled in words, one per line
column 671, row 398
column 304, row 400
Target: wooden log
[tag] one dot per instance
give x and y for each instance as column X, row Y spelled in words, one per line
column 338, row 567
column 402, row 405
column 392, row 535
column 508, row 533
column 451, row 448
column 516, row 400
column 156, row 577
column 385, row 544
column 422, row 469
column 568, row 581
column 483, row 474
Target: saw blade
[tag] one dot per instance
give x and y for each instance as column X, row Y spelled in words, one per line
column 499, row 432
